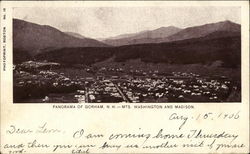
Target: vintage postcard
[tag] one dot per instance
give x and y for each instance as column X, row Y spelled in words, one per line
column 124, row 77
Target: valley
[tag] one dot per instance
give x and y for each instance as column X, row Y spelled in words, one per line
column 196, row 64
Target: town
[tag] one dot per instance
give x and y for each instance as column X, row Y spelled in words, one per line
column 40, row 82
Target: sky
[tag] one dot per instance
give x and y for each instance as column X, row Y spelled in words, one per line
column 103, row 22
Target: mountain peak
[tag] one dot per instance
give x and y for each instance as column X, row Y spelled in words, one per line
column 206, row 29
column 227, row 21
column 35, row 37
column 168, row 27
column 77, row 35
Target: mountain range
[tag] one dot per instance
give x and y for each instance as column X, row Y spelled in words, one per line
column 204, row 44
column 171, row 33
column 205, row 50
column 142, row 37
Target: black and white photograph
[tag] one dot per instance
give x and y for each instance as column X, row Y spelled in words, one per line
column 158, row 54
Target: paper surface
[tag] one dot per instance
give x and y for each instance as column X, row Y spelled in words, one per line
column 166, row 127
